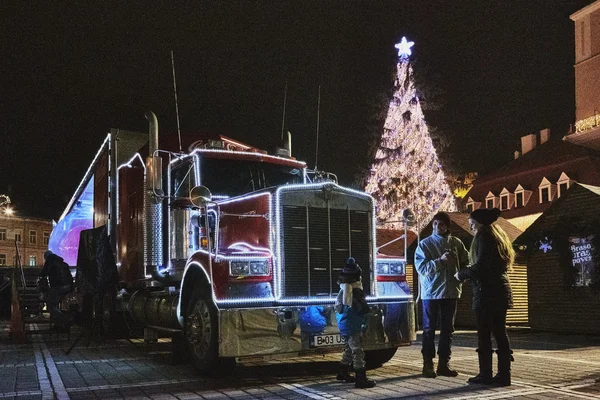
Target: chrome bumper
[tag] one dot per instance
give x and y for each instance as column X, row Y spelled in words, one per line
column 282, row 330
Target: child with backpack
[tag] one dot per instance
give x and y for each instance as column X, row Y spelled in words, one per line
column 351, row 312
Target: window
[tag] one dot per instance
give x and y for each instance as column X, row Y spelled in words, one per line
column 2, row 233
column 583, row 40
column 562, row 189
column 544, row 195
column 46, row 238
column 17, row 260
column 519, row 199
column 563, row 183
column 522, row 196
column 183, row 178
column 547, row 191
column 2, row 259
column 18, row 237
column 507, row 199
column 239, row 177
column 472, row 205
column 491, row 200
column 32, row 261
column 33, row 237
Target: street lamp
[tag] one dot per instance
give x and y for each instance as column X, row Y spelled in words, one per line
column 4, row 203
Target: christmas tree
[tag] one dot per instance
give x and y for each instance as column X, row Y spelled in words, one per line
column 407, row 173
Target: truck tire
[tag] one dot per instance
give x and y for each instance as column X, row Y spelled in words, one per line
column 201, row 330
column 376, row 358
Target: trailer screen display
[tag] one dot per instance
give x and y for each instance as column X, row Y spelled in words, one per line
column 64, row 239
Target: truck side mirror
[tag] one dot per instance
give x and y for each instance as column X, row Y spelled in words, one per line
column 199, row 195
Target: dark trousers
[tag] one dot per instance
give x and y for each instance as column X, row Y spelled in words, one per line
column 492, row 322
column 446, row 309
column 54, row 296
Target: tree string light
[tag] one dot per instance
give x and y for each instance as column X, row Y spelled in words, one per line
column 406, row 172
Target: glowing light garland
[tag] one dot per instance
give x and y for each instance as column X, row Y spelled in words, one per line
column 278, row 265
column 406, row 172
column 86, row 177
column 128, row 164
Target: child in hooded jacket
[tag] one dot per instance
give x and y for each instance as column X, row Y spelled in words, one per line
column 351, row 312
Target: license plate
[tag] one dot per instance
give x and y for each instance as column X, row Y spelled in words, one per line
column 327, row 340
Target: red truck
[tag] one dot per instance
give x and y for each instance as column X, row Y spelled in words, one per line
column 235, row 250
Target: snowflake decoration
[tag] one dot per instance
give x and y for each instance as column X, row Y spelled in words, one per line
column 546, row 244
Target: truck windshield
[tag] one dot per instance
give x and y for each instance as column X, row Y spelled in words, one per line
column 236, row 177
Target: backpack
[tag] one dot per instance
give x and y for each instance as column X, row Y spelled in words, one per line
column 65, row 274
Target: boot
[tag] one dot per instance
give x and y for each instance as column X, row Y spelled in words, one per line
column 443, row 368
column 344, row 374
column 485, row 368
column 361, row 380
column 428, row 371
column 502, row 378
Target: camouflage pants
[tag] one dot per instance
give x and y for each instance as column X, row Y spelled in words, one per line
column 354, row 353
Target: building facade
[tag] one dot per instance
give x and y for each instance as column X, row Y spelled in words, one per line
column 586, row 130
column 540, row 174
column 27, row 236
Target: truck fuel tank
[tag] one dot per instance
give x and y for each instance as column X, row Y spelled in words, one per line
column 155, row 308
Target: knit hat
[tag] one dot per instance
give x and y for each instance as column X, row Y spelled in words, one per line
column 485, row 216
column 47, row 253
column 351, row 269
column 442, row 217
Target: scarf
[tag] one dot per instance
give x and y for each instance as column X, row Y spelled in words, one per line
column 347, row 289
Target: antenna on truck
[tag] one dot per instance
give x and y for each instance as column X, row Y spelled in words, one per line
column 176, row 103
column 284, row 103
column 318, row 114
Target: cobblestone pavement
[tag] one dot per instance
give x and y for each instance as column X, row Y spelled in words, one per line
column 547, row 366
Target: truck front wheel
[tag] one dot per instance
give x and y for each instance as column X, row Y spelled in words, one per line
column 201, row 330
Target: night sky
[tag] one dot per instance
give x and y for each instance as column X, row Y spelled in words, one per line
column 491, row 71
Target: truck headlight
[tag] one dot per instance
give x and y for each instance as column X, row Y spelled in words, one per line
column 238, row 268
column 249, row 268
column 383, row 269
column 391, row 268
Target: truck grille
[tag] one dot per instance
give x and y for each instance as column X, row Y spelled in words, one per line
column 316, row 243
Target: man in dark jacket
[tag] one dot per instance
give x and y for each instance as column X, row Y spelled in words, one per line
column 61, row 283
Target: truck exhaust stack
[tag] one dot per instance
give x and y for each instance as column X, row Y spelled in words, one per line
column 153, row 192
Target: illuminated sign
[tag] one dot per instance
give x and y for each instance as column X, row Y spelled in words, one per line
column 582, row 259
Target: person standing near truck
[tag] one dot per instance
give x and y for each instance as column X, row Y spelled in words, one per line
column 492, row 257
column 437, row 259
column 61, row 283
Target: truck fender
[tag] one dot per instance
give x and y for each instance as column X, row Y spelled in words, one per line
column 194, row 273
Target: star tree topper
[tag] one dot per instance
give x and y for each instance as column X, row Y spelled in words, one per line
column 404, row 47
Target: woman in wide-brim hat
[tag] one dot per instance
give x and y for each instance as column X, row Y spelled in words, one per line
column 491, row 257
